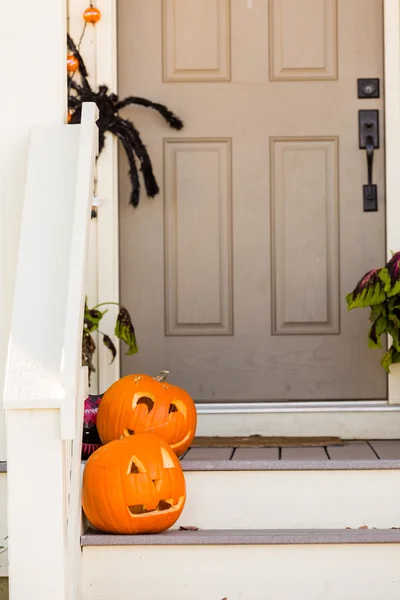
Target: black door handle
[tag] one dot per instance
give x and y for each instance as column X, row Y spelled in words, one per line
column 368, row 125
column 370, row 162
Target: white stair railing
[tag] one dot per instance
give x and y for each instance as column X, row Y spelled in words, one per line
column 45, row 384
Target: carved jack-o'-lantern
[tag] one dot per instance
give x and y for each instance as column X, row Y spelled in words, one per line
column 133, row 404
column 133, row 485
column 139, row 403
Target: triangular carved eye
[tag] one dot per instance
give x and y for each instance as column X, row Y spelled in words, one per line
column 167, row 459
column 135, row 466
column 177, row 406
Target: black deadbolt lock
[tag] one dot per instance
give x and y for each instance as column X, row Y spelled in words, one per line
column 368, row 88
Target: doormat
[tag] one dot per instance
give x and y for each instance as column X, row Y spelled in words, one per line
column 259, row 441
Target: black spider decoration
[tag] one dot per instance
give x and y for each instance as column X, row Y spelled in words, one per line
column 109, row 120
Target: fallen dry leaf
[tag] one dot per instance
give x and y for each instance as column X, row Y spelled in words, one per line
column 190, row 528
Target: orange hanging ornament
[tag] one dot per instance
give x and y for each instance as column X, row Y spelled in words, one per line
column 92, row 14
column 72, row 63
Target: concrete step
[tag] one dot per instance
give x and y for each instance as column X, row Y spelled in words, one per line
column 304, row 488
column 246, row 565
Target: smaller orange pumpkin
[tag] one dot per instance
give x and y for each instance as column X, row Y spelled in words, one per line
column 72, row 63
column 180, row 428
column 92, row 14
column 134, row 485
column 140, row 403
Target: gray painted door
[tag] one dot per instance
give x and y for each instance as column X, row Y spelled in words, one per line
column 235, row 275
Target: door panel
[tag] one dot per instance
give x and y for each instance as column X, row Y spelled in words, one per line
column 303, row 39
column 235, row 275
column 305, row 224
column 198, row 259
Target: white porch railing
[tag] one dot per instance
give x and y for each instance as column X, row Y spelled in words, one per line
column 45, row 385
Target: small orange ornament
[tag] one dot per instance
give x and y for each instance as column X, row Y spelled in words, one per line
column 92, row 14
column 69, row 117
column 72, row 63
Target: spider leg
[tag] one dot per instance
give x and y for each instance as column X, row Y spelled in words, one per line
column 82, row 67
column 102, row 138
column 74, row 102
column 174, row 121
column 130, row 132
column 83, row 88
column 76, row 116
column 133, row 172
column 79, row 89
column 75, row 108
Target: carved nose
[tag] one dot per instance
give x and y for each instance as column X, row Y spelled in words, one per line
column 157, row 484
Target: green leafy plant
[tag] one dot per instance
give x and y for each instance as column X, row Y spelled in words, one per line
column 123, row 330
column 379, row 289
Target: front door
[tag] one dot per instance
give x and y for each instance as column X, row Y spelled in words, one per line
column 236, row 274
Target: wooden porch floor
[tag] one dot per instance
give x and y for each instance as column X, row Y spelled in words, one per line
column 351, row 454
column 351, row 450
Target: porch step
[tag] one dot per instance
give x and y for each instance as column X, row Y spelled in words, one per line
column 245, row 537
column 247, row 565
column 268, row 488
column 354, row 485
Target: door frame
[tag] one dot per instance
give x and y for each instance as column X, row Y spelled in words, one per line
column 99, row 50
column 392, row 136
column 366, row 418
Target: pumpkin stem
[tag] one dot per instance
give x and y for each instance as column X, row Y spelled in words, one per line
column 162, row 376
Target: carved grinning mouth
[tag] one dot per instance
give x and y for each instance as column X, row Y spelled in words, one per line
column 138, row 510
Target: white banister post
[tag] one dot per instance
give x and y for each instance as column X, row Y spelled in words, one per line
column 32, row 36
column 43, row 395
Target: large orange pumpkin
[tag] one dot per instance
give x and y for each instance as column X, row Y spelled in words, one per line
column 180, row 428
column 133, row 485
column 133, row 404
